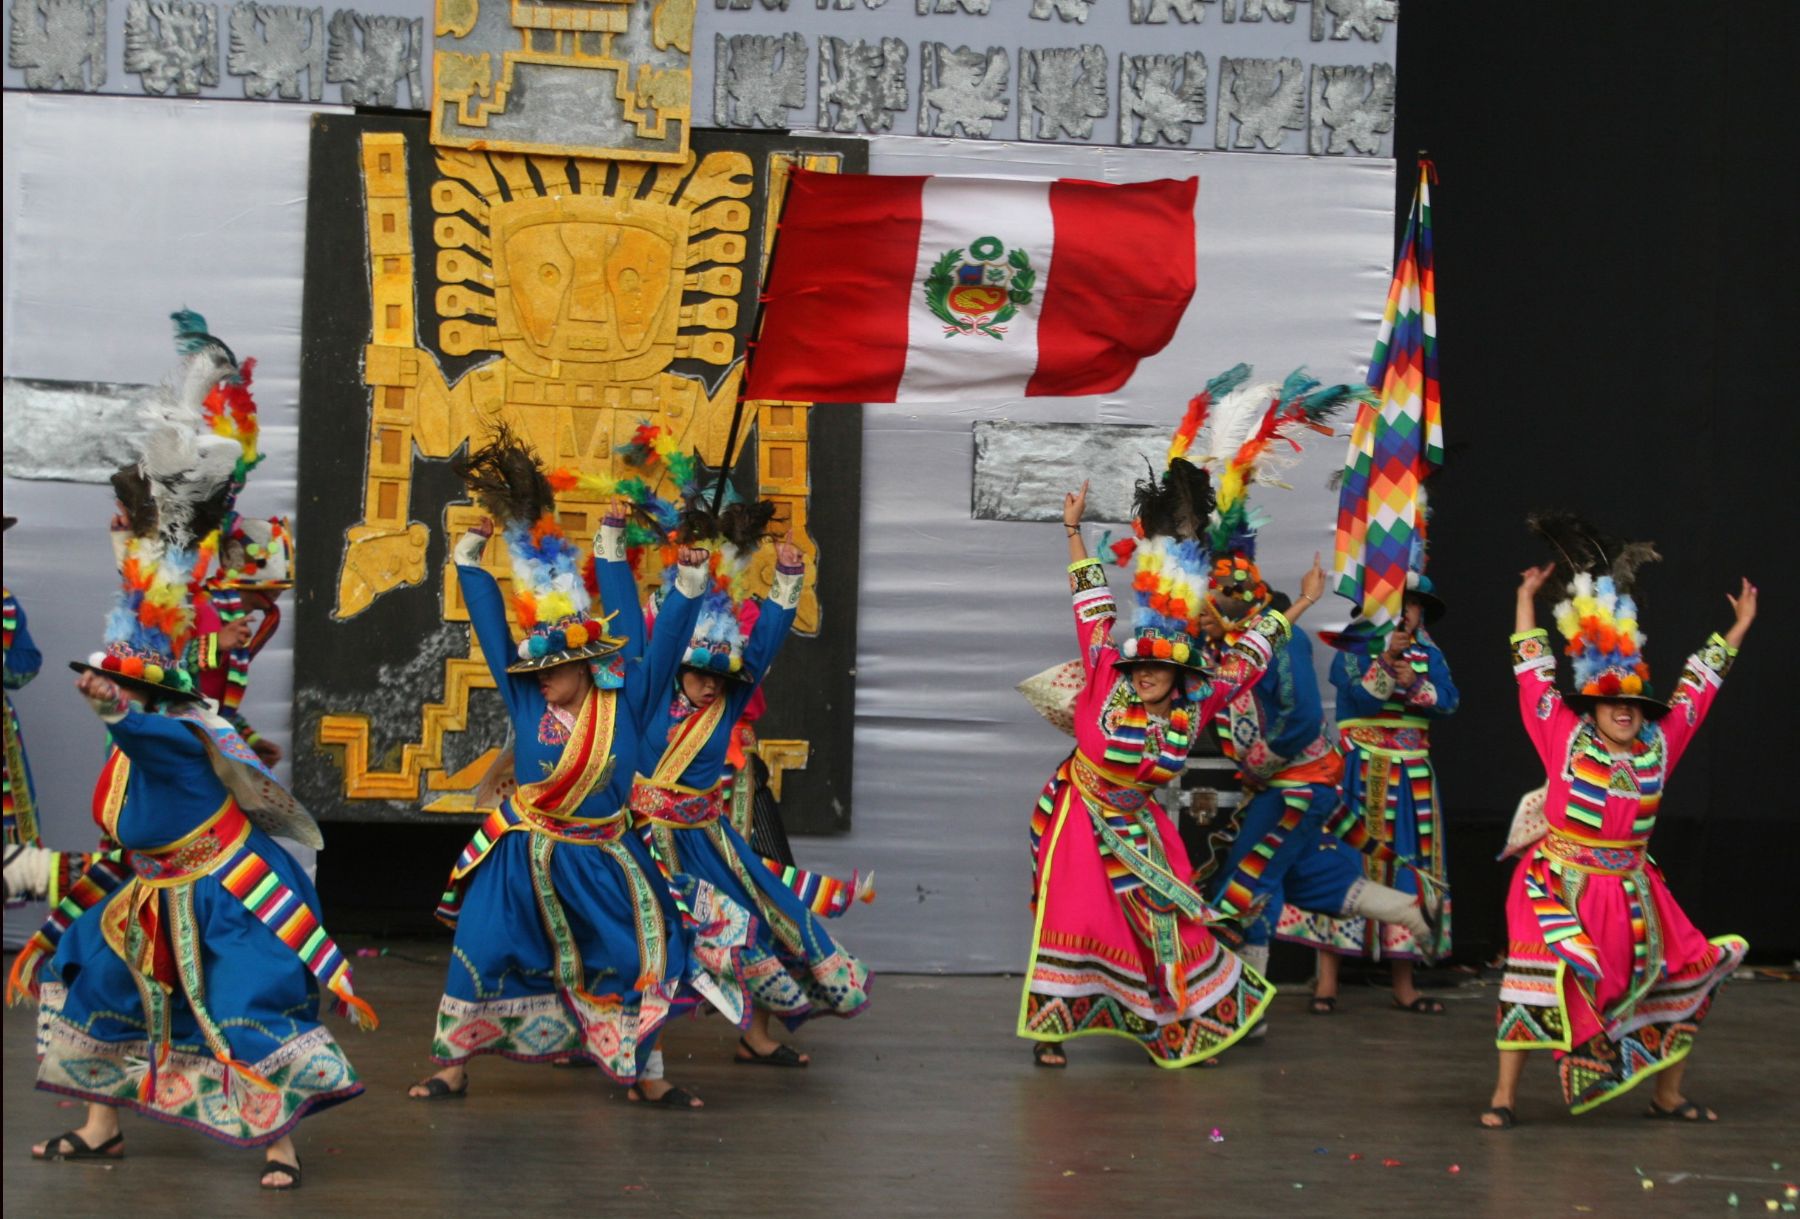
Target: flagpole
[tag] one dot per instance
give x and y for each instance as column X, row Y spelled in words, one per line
column 756, row 323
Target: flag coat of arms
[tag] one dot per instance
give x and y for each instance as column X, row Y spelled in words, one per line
column 928, row 289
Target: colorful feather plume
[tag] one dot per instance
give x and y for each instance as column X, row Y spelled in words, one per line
column 1597, row 614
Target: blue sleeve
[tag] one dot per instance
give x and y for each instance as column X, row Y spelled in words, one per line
column 23, row 660
column 619, row 598
column 1294, row 712
column 165, row 749
column 773, row 622
column 1437, row 672
column 1353, row 698
column 655, row 678
column 487, row 618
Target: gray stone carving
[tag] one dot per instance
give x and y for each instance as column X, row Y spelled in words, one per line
column 961, row 90
column 1064, row 90
column 172, row 45
column 860, row 83
column 1162, row 97
column 1022, row 469
column 1367, row 19
column 975, row 8
column 1063, row 10
column 370, row 55
column 72, row 431
column 1352, row 108
column 272, row 44
column 1256, row 10
column 759, row 78
column 59, row 44
column 1266, row 98
column 1158, row 12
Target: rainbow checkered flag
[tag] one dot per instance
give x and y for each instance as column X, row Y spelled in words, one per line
column 1398, row 440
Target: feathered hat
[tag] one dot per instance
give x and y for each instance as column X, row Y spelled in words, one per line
column 1597, row 615
column 728, row 612
column 175, row 500
column 1169, row 515
column 1252, row 430
column 549, row 596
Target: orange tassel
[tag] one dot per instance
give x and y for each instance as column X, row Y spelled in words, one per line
column 361, row 1013
column 22, row 980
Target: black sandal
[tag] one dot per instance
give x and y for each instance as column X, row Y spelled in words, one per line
column 1686, row 1111
column 1505, row 1114
column 1041, row 1050
column 1424, row 1005
column 674, row 1098
column 78, row 1148
column 1322, row 1005
column 780, row 1056
column 437, row 1089
column 292, row 1171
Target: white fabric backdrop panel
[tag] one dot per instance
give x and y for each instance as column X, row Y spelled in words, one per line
column 1293, row 267
column 119, row 210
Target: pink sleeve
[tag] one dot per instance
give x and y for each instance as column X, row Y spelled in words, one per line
column 1095, row 612
column 1548, row 721
column 1694, row 694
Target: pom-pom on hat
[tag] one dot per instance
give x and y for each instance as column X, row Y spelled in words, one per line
column 1597, row 615
column 549, row 595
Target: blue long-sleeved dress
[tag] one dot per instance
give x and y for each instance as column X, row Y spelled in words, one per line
column 568, row 942
column 1389, row 785
column 191, row 958
column 22, row 662
column 794, row 968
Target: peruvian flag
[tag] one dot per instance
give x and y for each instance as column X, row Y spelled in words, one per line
column 929, row 289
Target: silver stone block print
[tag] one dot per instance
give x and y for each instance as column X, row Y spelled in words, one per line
column 744, row 4
column 1161, row 98
column 172, row 46
column 1364, row 18
column 1063, row 10
column 273, row 45
column 1352, row 108
column 1265, row 98
column 860, row 83
column 1062, row 90
column 759, row 78
column 371, row 55
column 975, row 8
column 1256, row 10
column 59, row 44
column 71, row 431
column 961, row 90
column 1158, row 12
column 1023, row 469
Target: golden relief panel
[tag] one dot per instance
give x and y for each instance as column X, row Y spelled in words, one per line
column 583, row 282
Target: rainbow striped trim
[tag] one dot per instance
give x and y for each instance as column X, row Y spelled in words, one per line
column 248, row 877
column 97, row 884
column 1239, row 895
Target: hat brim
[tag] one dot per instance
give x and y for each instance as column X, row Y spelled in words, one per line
column 1132, row 662
column 568, row 656
column 149, row 689
column 1431, row 606
column 742, row 673
column 1654, row 708
column 7, row 522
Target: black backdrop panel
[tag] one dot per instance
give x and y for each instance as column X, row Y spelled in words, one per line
column 387, row 661
column 1615, row 249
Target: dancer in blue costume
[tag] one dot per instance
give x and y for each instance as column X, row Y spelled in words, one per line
column 1274, row 729
column 568, row 942
column 794, row 970
column 190, row 993
column 22, row 664
column 1390, row 687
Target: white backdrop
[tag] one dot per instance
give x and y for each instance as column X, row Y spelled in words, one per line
column 120, row 210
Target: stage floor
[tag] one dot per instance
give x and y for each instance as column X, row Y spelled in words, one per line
column 927, row 1105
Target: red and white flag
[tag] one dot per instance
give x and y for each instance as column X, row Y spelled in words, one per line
column 929, row 289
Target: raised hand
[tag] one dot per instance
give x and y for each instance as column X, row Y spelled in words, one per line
column 693, row 556
column 483, row 528
column 1075, row 506
column 618, row 508
column 788, row 555
column 1533, row 579
column 1743, row 607
column 1312, row 584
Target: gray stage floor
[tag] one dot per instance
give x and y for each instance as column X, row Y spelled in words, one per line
column 927, row 1105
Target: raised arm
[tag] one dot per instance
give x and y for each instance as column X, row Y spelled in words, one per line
column 487, row 611
column 618, row 587
column 1703, row 674
column 775, row 617
column 1547, row 719
column 1095, row 609
column 675, row 619
column 153, row 742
